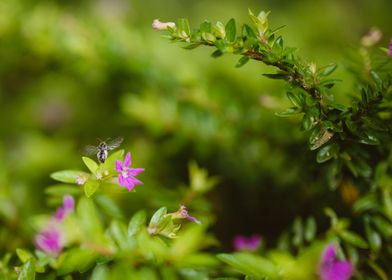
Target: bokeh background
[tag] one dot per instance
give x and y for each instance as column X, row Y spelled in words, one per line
column 74, row 71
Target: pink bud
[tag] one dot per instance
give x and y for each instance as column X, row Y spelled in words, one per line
column 158, row 25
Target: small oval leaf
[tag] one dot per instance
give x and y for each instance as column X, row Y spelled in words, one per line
column 91, row 165
column 67, row 176
column 137, row 222
column 327, row 152
column 91, row 187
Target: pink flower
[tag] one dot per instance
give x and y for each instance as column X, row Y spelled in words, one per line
column 252, row 243
column 158, row 25
column 68, row 207
column 127, row 175
column 49, row 240
column 330, row 268
column 81, row 180
column 182, row 213
column 390, row 48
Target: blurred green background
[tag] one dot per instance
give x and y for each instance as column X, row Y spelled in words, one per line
column 73, row 71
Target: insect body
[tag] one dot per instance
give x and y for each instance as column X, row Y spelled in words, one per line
column 102, row 150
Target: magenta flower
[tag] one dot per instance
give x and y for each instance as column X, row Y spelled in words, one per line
column 126, row 178
column 182, row 213
column 49, row 240
column 243, row 243
column 68, row 207
column 330, row 268
column 390, row 48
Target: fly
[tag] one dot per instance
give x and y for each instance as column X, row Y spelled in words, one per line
column 103, row 148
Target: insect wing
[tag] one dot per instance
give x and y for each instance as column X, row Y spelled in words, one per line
column 90, row 150
column 112, row 144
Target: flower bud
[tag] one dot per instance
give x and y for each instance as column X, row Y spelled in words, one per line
column 371, row 38
column 158, row 25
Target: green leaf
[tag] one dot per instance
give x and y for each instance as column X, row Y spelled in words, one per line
column 327, row 70
column 334, row 174
column 277, row 29
column 191, row 46
column 100, row 272
column 369, row 139
column 216, row 54
column 361, row 167
column 219, row 30
column 89, row 220
column 366, row 203
column 387, row 203
column 91, row 187
column 251, row 265
column 76, row 260
column 298, row 232
column 110, row 162
column 376, row 78
column 296, row 100
column 372, row 236
column 137, row 222
column 310, row 229
column 183, row 25
column 62, row 189
column 353, row 239
column 67, row 176
column 327, row 152
column 28, row 271
column 209, row 37
column 277, row 76
column 24, row 255
column 242, row 61
column 289, row 112
column 230, row 29
column 119, row 233
column 205, row 27
column 188, row 242
column 109, row 206
column 198, row 260
column 383, row 226
column 248, row 31
column 279, row 42
column 309, row 120
column 378, row 270
column 158, row 216
column 91, row 165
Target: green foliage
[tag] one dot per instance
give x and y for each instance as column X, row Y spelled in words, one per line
column 346, row 128
column 71, row 72
column 351, row 137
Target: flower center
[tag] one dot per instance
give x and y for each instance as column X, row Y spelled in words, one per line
column 124, row 172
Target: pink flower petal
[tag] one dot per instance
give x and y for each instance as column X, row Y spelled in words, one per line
column 330, row 268
column 49, row 241
column 130, row 187
column 135, row 171
column 122, row 181
column 127, row 160
column 243, row 243
column 340, row 270
column 134, row 181
column 60, row 214
column 329, row 253
column 69, row 203
column 126, row 178
column 119, row 166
